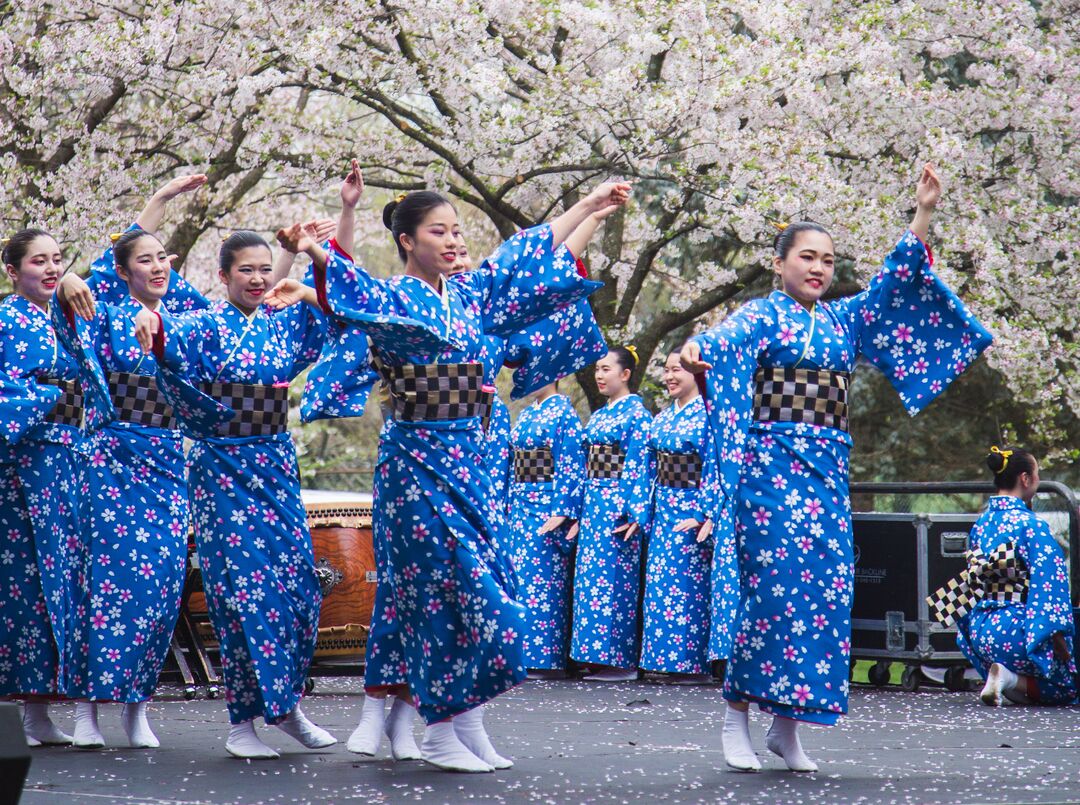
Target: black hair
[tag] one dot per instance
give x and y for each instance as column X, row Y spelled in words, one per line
column 626, row 358
column 403, row 217
column 241, row 239
column 18, row 245
column 1008, row 465
column 125, row 245
column 785, row 238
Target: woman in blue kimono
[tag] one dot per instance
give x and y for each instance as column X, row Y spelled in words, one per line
column 776, row 374
column 675, row 637
column 251, row 529
column 452, row 624
column 40, row 455
column 1022, row 648
column 614, row 516
column 135, row 517
column 545, row 503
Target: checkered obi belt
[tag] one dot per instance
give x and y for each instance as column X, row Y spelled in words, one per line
column 137, row 400
column 996, row 576
column 69, row 408
column 432, row 392
column 260, row 410
column 605, row 461
column 812, row 396
column 534, row 466
column 678, row 470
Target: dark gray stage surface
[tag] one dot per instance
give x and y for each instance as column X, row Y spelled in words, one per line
column 582, row 742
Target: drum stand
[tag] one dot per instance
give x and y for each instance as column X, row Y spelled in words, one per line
column 187, row 643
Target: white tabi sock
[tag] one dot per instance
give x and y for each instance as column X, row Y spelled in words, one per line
column 39, row 728
column 469, row 728
column 399, row 729
column 783, row 739
column 244, row 743
column 738, row 751
column 1001, row 682
column 296, row 725
column 367, row 736
column 137, row 727
column 441, row 748
column 87, row 733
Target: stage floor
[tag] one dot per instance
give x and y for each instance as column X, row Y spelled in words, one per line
column 584, row 742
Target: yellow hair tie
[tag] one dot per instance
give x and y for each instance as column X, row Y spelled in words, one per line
column 633, row 351
column 780, row 226
column 1005, row 454
column 400, row 197
column 226, row 236
column 5, row 241
column 115, row 236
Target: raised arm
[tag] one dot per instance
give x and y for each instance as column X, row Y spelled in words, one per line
column 927, row 194
column 154, row 212
column 609, row 194
column 580, row 237
column 351, row 190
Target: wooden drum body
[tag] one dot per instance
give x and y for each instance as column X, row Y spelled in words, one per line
column 345, row 566
column 341, row 539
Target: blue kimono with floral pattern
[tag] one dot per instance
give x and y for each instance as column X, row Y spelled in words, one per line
column 135, row 519
column 447, row 622
column 251, row 529
column 542, row 561
column 40, row 489
column 607, row 573
column 1018, row 635
column 781, row 489
column 675, row 637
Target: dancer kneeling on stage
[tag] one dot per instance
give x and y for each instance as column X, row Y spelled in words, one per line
column 1018, row 633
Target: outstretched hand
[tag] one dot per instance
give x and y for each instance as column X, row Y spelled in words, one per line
column 608, row 194
column 704, row 529
column 627, row 530
column 928, row 189
column 74, row 293
column 147, row 325
column 353, row 186
column 286, row 293
column 295, row 239
column 179, row 185
column 321, row 229
column 691, row 359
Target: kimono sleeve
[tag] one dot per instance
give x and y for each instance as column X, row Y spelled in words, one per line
column 638, row 471
column 84, row 341
column 569, row 454
column 306, row 328
column 912, row 326
column 525, row 280
column 344, row 287
column 24, row 402
column 340, row 383
column 732, row 348
column 1048, row 608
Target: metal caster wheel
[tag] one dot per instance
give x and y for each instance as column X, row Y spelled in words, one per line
column 190, row 693
column 911, row 679
column 878, row 675
column 213, row 691
column 955, row 680
column 309, row 686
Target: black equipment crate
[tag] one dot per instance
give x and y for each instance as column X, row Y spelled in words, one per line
column 901, row 558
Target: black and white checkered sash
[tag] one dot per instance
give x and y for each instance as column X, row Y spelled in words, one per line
column 678, row 470
column 487, row 406
column 999, row 575
column 137, row 400
column 436, row 391
column 813, row 396
column 69, row 407
column 260, row 410
column 605, row 461
column 536, row 466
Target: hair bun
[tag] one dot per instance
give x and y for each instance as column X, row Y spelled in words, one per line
column 997, row 459
column 388, row 214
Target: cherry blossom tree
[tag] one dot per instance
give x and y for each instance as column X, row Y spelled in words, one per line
column 728, row 117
